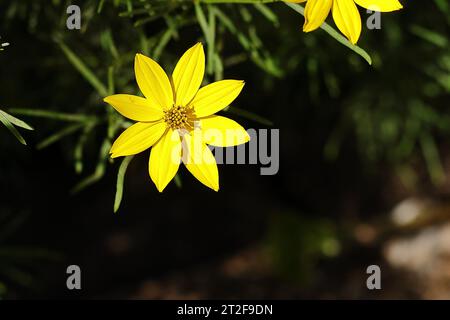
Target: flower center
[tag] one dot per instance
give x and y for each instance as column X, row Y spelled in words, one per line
column 180, row 118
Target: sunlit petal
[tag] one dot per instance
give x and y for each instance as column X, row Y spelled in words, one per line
column 153, row 81
column 222, row 132
column 216, row 96
column 316, row 11
column 200, row 161
column 165, row 159
column 380, row 5
column 137, row 138
column 134, row 107
column 347, row 19
column 188, row 74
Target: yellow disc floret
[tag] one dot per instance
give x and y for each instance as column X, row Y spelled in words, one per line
column 180, row 118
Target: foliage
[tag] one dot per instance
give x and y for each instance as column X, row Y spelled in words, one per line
column 387, row 102
column 10, row 122
column 110, row 71
column 103, row 57
column 18, row 263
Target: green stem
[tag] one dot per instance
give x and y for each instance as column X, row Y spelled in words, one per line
column 336, row 35
column 298, row 8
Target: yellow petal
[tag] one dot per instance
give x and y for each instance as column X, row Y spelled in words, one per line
column 380, row 5
column 222, row 132
column 316, row 11
column 216, row 96
column 134, row 107
column 188, row 74
column 295, row 1
column 200, row 161
column 347, row 19
column 165, row 159
column 137, row 138
column 153, row 82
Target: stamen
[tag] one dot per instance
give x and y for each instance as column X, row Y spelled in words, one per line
column 180, row 118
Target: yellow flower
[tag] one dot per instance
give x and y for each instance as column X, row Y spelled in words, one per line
column 176, row 118
column 345, row 14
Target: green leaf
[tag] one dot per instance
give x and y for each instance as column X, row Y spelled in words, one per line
column 249, row 115
column 251, row 44
column 84, row 70
column 336, row 35
column 11, row 128
column 69, row 117
column 218, row 68
column 78, row 152
column 17, row 122
column 163, row 42
column 432, row 159
column 431, row 36
column 444, row 6
column 267, row 13
column 178, row 181
column 209, row 31
column 100, row 6
column 99, row 169
column 120, row 179
column 59, row 135
column 107, row 42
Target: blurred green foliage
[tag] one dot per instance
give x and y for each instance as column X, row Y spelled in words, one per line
column 19, row 264
column 390, row 122
column 296, row 244
column 394, row 118
column 108, row 67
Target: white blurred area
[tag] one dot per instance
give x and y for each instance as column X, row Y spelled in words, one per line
column 421, row 249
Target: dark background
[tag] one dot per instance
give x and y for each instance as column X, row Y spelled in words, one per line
column 355, row 141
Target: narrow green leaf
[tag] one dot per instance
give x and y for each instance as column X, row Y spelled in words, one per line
column 444, row 6
column 249, row 115
column 11, row 128
column 100, row 6
column 59, row 135
column 17, row 122
column 163, row 42
column 84, row 70
column 120, row 179
column 267, row 13
column 259, row 57
column 178, row 181
column 78, row 152
column 212, row 40
column 208, row 29
column 218, row 68
column 336, row 35
column 431, row 36
column 111, row 86
column 99, row 169
column 107, row 41
column 69, row 117
column 432, row 159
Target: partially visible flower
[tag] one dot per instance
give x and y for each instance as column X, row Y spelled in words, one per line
column 176, row 118
column 345, row 14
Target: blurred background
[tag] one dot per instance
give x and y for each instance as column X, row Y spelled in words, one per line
column 364, row 161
